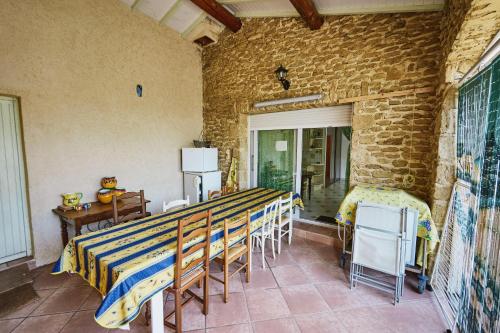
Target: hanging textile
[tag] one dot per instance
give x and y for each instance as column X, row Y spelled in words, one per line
column 232, row 178
column 347, row 132
column 478, row 162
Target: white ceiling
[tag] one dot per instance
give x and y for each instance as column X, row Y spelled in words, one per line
column 185, row 17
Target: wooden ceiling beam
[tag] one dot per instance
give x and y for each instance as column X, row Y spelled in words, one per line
column 309, row 13
column 218, row 12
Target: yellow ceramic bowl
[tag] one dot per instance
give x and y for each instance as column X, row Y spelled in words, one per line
column 119, row 191
column 109, row 182
column 105, row 195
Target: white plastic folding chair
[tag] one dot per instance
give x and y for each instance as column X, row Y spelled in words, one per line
column 380, row 243
column 285, row 217
column 267, row 229
column 175, row 204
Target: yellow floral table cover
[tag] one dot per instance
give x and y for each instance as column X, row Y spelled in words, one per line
column 393, row 197
column 131, row 262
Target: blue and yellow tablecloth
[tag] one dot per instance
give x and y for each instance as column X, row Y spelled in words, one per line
column 131, row 262
column 393, row 197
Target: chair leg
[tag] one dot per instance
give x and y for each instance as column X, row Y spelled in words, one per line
column 272, row 244
column 147, row 313
column 205, row 293
column 262, row 244
column 226, row 281
column 178, row 311
column 249, row 265
column 290, row 228
column 250, row 260
column 279, row 239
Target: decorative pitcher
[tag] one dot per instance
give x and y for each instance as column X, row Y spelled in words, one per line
column 72, row 199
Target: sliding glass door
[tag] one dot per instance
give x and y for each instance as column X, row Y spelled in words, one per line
column 276, row 161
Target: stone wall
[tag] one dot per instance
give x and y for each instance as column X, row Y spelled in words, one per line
column 467, row 28
column 349, row 56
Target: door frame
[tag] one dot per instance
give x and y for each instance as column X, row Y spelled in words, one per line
column 23, row 176
column 253, row 145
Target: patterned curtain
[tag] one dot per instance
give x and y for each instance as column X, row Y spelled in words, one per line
column 347, row 131
column 478, row 159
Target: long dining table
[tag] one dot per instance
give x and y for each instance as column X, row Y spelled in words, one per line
column 132, row 263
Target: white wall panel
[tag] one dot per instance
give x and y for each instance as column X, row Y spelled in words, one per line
column 14, row 231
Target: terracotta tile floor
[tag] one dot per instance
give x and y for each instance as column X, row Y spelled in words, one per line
column 292, row 294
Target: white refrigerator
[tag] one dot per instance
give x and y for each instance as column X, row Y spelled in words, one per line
column 201, row 174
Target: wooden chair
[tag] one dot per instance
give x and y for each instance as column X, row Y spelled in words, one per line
column 127, row 210
column 267, row 229
column 234, row 249
column 285, row 217
column 214, row 194
column 175, row 204
column 187, row 273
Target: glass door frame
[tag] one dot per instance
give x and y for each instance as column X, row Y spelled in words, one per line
column 253, row 148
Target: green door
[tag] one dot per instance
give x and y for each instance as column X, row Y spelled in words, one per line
column 276, row 159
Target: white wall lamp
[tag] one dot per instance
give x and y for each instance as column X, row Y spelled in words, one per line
column 282, row 101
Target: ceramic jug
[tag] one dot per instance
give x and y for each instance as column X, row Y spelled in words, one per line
column 72, row 199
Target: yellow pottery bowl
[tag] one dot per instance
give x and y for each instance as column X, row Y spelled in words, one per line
column 109, row 182
column 105, row 195
column 119, row 191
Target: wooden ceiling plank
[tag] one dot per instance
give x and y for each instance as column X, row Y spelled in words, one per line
column 230, row 2
column 309, row 13
column 170, row 11
column 218, row 12
column 194, row 24
column 381, row 9
column 136, row 2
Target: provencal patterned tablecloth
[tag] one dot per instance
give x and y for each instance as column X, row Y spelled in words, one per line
column 392, row 197
column 131, row 262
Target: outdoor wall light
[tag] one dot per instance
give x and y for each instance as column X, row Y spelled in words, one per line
column 281, row 73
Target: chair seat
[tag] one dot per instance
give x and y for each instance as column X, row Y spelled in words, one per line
column 193, row 275
column 235, row 251
column 284, row 220
column 267, row 231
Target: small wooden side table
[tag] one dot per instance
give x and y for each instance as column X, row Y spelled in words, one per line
column 97, row 212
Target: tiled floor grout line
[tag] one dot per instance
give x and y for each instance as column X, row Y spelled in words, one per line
column 375, row 302
column 62, row 328
column 18, row 324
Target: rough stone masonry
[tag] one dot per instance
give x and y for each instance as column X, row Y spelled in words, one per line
column 349, row 56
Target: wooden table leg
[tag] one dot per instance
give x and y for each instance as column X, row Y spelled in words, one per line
column 64, row 231
column 78, row 228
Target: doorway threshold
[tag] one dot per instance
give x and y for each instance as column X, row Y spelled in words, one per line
column 317, row 232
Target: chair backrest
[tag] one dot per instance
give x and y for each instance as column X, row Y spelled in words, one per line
column 175, row 204
column 286, row 205
column 192, row 233
column 235, row 229
column 380, row 237
column 125, row 207
column 270, row 214
column 214, row 194
column 403, row 219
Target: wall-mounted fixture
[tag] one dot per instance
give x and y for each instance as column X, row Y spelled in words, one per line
column 281, row 73
column 282, row 101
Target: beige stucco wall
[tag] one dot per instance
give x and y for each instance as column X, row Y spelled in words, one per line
column 75, row 65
